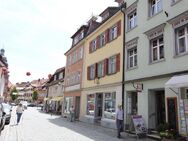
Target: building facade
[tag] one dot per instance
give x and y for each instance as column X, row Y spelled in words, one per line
column 102, row 87
column 4, row 76
column 156, row 51
column 74, row 67
column 55, row 92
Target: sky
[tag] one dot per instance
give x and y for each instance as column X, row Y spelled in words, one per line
column 36, row 33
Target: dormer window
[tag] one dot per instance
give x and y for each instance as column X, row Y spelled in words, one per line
column 79, row 37
column 105, row 16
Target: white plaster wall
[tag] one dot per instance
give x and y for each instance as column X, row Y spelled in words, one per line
column 143, row 101
column 145, row 23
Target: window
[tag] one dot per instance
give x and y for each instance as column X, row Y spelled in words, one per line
column 174, row 2
column 68, row 104
column 102, row 40
column 132, row 20
column 100, row 69
column 182, row 40
column 69, row 60
column 109, row 105
column 157, row 49
column 112, row 65
column 61, row 75
column 132, row 57
column 80, row 53
column 113, row 32
column 93, row 45
column 92, row 72
column 155, row 6
column 90, row 104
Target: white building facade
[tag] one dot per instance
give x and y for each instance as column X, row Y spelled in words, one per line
column 156, row 50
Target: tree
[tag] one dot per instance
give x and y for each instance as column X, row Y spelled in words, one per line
column 14, row 94
column 35, row 95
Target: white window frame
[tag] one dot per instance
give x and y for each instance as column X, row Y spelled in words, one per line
column 185, row 36
column 155, row 8
column 158, row 47
column 94, row 45
column 102, row 40
column 100, row 71
column 132, row 56
column 109, row 113
column 112, row 65
column 132, row 20
column 113, row 32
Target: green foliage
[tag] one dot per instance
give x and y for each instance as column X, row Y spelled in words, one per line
column 35, row 95
column 163, row 127
column 14, row 94
column 165, row 131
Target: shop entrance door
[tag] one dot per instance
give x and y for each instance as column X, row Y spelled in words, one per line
column 156, row 109
column 172, row 112
column 99, row 103
column 160, row 107
column 77, row 107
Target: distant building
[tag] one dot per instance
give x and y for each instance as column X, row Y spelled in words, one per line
column 3, row 75
column 55, row 92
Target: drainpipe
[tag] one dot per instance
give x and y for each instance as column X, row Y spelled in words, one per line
column 123, row 6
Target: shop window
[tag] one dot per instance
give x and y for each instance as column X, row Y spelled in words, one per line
column 90, row 104
column 109, row 105
column 68, row 104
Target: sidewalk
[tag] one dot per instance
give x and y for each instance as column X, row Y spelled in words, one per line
column 103, row 130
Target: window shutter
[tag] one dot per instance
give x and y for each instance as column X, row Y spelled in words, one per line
column 88, row 73
column 119, row 28
column 90, row 46
column 98, row 42
column 96, row 70
column 107, row 36
column 118, row 62
column 104, row 70
column 106, row 66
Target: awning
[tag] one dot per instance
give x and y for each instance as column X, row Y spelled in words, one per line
column 57, row 98
column 177, row 82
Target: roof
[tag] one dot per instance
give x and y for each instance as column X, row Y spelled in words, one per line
column 111, row 10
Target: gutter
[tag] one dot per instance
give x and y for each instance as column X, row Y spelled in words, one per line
column 122, row 7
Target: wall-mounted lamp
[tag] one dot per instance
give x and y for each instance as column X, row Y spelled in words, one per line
column 96, row 80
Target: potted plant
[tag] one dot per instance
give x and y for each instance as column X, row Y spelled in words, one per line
column 168, row 134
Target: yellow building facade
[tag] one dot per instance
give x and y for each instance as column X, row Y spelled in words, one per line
column 102, row 69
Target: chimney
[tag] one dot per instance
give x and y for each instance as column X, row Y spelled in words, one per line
column 120, row 2
column 92, row 23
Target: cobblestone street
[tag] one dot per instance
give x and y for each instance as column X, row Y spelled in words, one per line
column 38, row 126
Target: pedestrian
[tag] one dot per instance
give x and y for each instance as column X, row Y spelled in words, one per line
column 119, row 120
column 19, row 112
column 71, row 113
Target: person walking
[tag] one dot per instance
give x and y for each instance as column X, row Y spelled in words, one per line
column 119, row 120
column 71, row 113
column 19, row 111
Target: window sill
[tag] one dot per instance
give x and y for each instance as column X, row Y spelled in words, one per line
column 180, row 55
column 112, row 73
column 174, row 3
column 131, row 29
column 133, row 68
column 157, row 61
column 150, row 17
